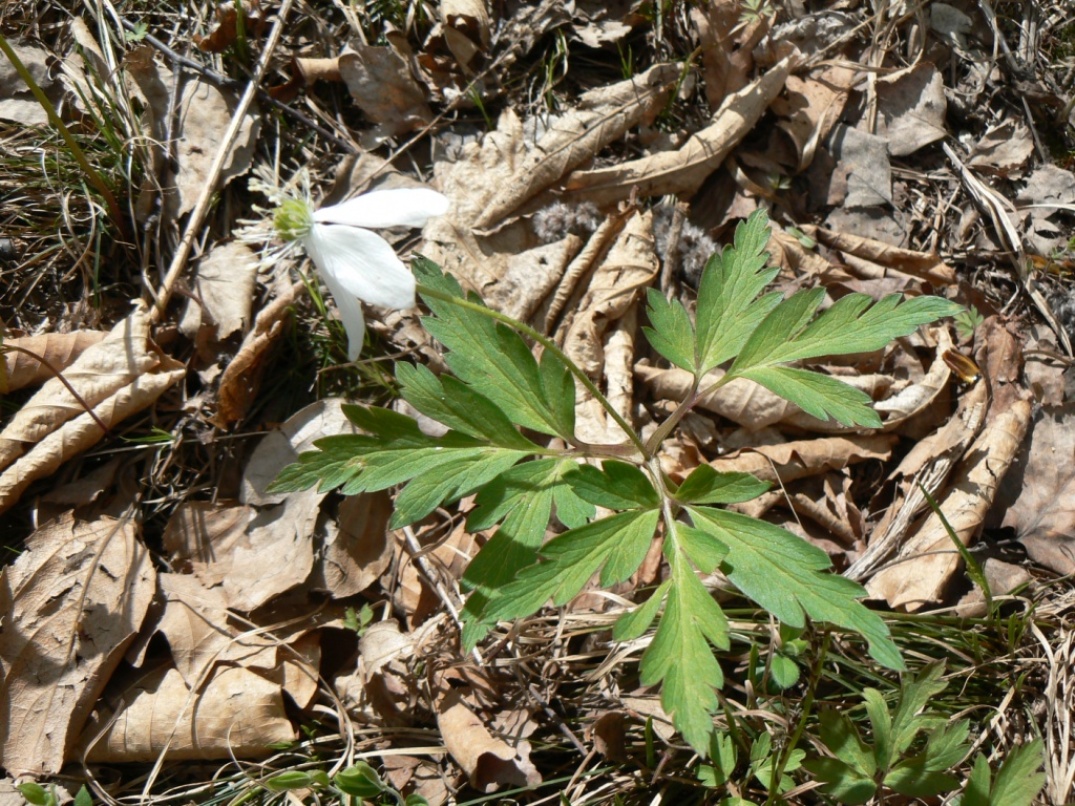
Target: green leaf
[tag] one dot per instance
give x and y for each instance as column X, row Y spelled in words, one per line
column 672, row 334
column 680, row 656
column 728, row 307
column 706, row 486
column 617, row 485
column 840, row 736
column 34, row 793
column 885, row 751
column 83, row 798
column 633, row 624
column 1018, row 780
column 723, row 755
column 459, row 407
column 846, row 784
column 495, row 359
column 783, row 671
column 914, row 696
column 704, row 550
column 360, row 781
column 445, row 479
column 976, row 793
column 784, row 574
column 616, row 545
column 911, row 777
column 853, row 324
column 946, row 746
column 821, row 396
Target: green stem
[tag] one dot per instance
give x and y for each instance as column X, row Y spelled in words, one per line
column 548, row 344
column 91, row 174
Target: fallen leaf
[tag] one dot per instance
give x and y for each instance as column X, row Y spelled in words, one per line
column 201, row 113
column 17, row 103
column 237, row 714
column 911, row 108
column 466, row 29
column 70, row 604
column 84, row 431
column 241, row 378
column 683, row 171
column 102, row 369
column 602, row 116
column 806, row 457
column 488, row 761
column 1003, row 149
column 357, row 549
column 381, row 84
column 24, row 366
column 223, row 292
column 1037, row 499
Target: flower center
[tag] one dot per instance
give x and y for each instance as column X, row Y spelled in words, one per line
column 293, row 219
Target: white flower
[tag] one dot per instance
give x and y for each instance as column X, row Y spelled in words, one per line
column 358, row 265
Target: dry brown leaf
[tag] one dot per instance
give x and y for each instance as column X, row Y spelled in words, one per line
column 749, row 404
column 923, row 265
column 727, row 47
column 70, row 604
column 1003, row 149
column 99, row 372
column 911, row 108
column 238, row 714
column 683, row 171
column 200, row 634
column 200, row 532
column 81, row 433
column 241, row 378
column 630, row 266
column 488, row 761
column 806, row 457
column 222, row 293
column 357, row 550
column 17, row 103
column 381, row 84
column 59, row 350
column 203, row 113
column 811, row 106
column 1037, row 499
column 601, row 117
column 925, row 563
column 531, row 276
column 465, row 25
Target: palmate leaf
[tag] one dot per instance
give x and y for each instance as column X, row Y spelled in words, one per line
column 495, row 360
column 787, row 576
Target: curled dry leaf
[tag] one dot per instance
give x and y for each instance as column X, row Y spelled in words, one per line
column 602, row 116
column 98, row 373
column 927, row 561
column 22, row 367
column 118, row 371
column 488, row 761
column 683, row 171
column 911, row 108
column 466, row 29
column 1037, row 500
column 241, row 378
column 924, row 265
column 70, row 604
column 806, row 457
column 239, row 714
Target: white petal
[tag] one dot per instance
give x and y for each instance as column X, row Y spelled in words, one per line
column 350, row 314
column 402, row 207
column 361, row 262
